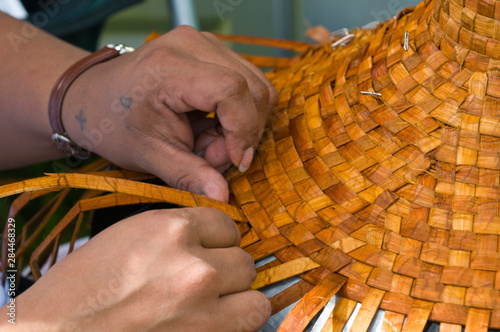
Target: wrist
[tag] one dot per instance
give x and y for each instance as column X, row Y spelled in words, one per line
column 70, row 101
column 26, row 314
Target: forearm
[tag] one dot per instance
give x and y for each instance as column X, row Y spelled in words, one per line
column 31, row 61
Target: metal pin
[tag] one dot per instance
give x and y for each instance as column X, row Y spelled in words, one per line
column 339, row 33
column 343, row 41
column 407, row 41
column 373, row 94
column 370, row 25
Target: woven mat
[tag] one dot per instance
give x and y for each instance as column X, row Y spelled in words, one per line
column 389, row 200
column 377, row 180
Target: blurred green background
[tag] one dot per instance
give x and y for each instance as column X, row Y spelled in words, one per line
column 287, row 19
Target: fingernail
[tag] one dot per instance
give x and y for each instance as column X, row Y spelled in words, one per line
column 246, row 160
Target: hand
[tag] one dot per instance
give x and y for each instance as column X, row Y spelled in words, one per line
column 143, row 110
column 163, row 270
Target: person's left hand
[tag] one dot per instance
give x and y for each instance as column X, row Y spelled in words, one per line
column 146, row 110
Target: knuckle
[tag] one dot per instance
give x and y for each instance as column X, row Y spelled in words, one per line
column 254, row 132
column 249, row 264
column 273, row 96
column 227, row 222
column 233, row 84
column 187, row 30
column 262, row 93
column 203, row 278
column 180, row 226
column 209, row 35
column 155, row 56
column 230, row 226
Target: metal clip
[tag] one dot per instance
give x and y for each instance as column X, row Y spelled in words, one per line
column 121, row 48
column 74, row 149
column 373, row 94
column 343, row 41
column 407, row 41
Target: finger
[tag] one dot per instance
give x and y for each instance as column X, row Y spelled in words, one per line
column 216, row 52
column 184, row 170
column 222, row 90
column 214, row 228
column 245, row 311
column 235, row 267
column 273, row 93
column 212, row 146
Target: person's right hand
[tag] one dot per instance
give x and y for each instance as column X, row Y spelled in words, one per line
column 163, row 270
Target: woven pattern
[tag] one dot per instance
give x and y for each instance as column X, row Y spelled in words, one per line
column 391, row 201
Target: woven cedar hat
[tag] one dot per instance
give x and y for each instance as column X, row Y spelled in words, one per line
column 389, row 199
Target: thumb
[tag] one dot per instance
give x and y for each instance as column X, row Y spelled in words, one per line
column 186, row 171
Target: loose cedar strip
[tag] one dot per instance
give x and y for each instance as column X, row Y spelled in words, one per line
column 369, row 307
column 416, row 320
column 283, row 271
column 290, row 295
column 305, row 310
column 129, row 187
column 269, row 265
column 393, row 322
column 266, row 61
column 46, row 218
column 477, row 320
column 15, row 207
column 445, row 327
column 267, row 247
column 41, row 259
column 263, row 41
column 26, row 197
column 340, row 315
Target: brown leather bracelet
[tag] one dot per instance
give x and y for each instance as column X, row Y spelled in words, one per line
column 60, row 136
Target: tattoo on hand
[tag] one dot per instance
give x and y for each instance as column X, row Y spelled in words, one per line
column 80, row 117
column 126, row 102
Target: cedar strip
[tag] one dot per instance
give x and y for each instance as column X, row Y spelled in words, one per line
column 262, row 41
column 267, row 247
column 266, row 61
column 393, row 322
column 340, row 315
column 477, row 320
column 446, row 327
column 283, row 271
column 305, row 310
column 416, row 320
column 290, row 295
column 101, row 183
column 368, row 309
